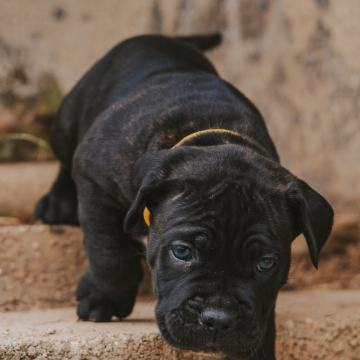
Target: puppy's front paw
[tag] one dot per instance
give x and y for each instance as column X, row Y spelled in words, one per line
column 96, row 306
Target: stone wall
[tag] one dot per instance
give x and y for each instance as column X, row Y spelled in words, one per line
column 297, row 60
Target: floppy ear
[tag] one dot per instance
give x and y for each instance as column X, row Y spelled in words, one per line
column 148, row 196
column 151, row 174
column 314, row 217
column 134, row 213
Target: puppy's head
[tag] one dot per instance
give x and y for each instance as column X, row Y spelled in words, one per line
column 222, row 223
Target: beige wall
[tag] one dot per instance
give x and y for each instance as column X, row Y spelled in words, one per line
column 297, row 60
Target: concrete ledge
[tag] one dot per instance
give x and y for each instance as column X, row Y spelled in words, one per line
column 40, row 266
column 319, row 324
column 311, row 325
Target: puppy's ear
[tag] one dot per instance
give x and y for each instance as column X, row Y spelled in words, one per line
column 313, row 217
column 148, row 195
column 151, row 174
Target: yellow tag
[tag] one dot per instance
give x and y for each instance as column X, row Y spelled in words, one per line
column 147, row 216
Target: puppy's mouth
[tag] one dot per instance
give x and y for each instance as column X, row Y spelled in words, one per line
column 191, row 335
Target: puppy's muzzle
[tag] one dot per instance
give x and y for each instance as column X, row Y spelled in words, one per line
column 218, row 315
column 217, row 319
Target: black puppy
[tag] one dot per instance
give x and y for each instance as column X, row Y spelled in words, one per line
column 151, row 134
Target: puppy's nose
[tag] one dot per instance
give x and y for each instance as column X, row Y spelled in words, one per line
column 217, row 319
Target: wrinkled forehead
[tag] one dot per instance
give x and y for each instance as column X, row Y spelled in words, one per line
column 234, row 214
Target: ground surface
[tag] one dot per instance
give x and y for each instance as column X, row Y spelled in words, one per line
column 325, row 327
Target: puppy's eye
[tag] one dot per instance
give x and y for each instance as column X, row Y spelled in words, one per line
column 266, row 263
column 182, row 252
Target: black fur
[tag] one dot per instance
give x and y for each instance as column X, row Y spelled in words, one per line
column 225, row 197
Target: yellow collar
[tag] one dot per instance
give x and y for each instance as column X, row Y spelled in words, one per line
column 146, row 213
column 205, row 132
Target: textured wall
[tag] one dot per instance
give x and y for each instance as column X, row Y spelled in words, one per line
column 297, row 60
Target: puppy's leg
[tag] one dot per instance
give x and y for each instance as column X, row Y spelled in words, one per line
column 110, row 285
column 59, row 205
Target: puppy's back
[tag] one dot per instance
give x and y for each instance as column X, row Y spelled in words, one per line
column 127, row 65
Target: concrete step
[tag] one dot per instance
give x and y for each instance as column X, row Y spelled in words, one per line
column 40, row 265
column 311, row 325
